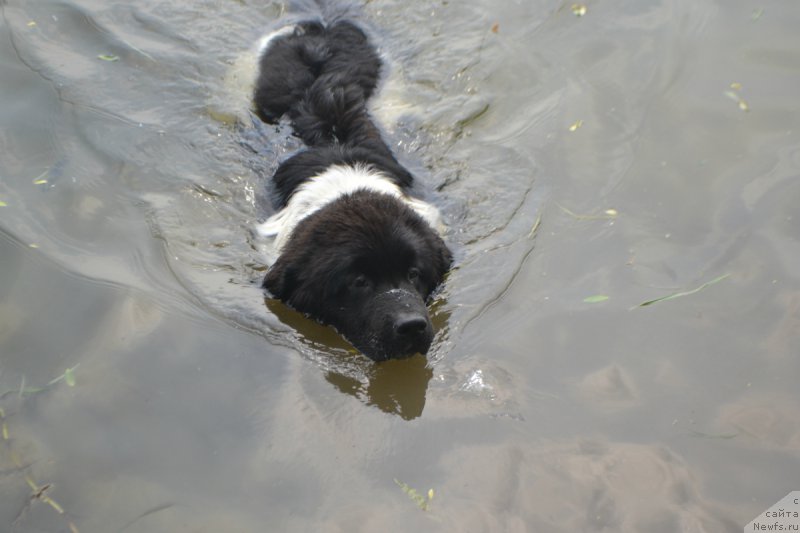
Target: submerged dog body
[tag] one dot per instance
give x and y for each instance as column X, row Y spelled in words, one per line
column 355, row 250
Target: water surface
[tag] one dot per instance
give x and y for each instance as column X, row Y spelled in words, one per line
column 639, row 150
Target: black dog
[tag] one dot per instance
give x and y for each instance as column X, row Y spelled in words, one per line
column 355, row 251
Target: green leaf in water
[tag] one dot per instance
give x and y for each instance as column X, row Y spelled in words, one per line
column 108, row 57
column 597, row 298
column 535, row 227
column 41, row 179
column 415, row 496
column 578, row 10
column 703, row 435
column 683, row 293
column 608, row 214
column 69, row 377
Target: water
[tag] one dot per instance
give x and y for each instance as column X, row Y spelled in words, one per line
column 132, row 183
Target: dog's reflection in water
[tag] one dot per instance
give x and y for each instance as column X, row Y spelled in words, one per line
column 396, row 386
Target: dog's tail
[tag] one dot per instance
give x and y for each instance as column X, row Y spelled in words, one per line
column 321, row 77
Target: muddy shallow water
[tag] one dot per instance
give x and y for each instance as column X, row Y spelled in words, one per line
column 584, row 165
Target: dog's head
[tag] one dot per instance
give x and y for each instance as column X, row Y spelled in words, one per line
column 365, row 264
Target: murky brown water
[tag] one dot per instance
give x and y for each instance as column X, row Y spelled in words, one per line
column 642, row 149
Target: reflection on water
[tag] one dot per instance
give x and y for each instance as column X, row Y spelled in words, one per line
column 396, row 387
column 128, row 193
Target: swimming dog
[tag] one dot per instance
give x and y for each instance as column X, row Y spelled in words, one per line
column 355, row 249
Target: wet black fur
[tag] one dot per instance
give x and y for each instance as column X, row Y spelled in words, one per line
column 365, row 263
column 321, row 78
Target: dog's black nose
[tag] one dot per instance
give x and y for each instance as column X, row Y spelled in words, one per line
column 410, row 325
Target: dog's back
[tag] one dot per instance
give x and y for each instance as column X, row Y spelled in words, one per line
column 321, row 78
column 310, row 59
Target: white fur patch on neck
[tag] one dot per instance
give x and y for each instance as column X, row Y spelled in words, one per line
column 335, row 182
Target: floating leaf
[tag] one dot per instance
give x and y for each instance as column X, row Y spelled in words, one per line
column 108, row 57
column 415, row 496
column 597, row 298
column 575, row 125
column 757, row 14
column 738, row 99
column 3, row 204
column 69, row 377
column 578, row 10
column 703, row 435
column 608, row 214
column 41, row 178
column 52, row 503
column 495, row 27
column 5, row 431
column 535, row 227
column 683, row 293
column 33, row 245
column 31, row 24
column 736, row 86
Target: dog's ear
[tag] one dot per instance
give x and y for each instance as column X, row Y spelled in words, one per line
column 444, row 257
column 281, row 280
column 439, row 260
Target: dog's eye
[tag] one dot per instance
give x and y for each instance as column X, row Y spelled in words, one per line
column 413, row 274
column 360, row 282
